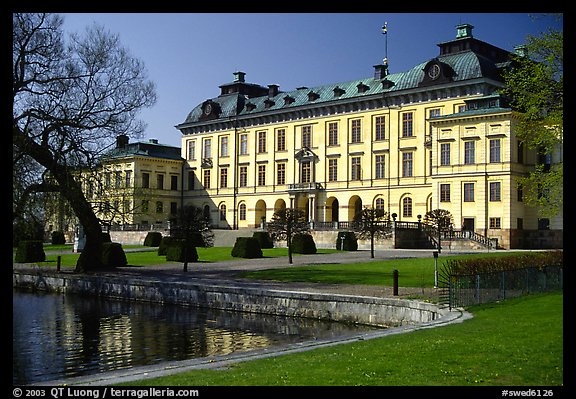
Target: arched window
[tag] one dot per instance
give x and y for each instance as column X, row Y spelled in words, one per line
column 223, row 212
column 407, row 207
column 379, row 204
column 242, row 211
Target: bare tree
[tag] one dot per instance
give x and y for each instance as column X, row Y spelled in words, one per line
column 373, row 223
column 285, row 224
column 70, row 100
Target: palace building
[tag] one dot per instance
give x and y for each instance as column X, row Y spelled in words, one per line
column 436, row 136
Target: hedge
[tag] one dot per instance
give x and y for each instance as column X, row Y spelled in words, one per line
column 264, row 239
column 247, row 247
column 58, row 238
column 153, row 239
column 346, row 241
column 113, row 255
column 178, row 252
column 30, row 251
column 303, row 244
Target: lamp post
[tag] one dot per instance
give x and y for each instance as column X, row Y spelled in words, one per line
column 435, row 253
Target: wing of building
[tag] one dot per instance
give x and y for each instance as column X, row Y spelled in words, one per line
column 436, row 136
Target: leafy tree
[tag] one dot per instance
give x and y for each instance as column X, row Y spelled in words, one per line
column 70, row 100
column 535, row 85
column 193, row 225
column 441, row 221
column 372, row 224
column 285, row 224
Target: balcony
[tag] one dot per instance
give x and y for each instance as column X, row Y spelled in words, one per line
column 304, row 187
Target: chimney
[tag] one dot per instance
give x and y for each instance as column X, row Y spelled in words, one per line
column 272, row 90
column 380, row 71
column 122, row 141
column 239, row 76
column 463, row 30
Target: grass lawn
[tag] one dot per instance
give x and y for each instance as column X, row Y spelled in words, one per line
column 412, row 272
column 150, row 257
column 515, row 342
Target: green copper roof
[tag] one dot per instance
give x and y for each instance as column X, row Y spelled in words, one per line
column 145, row 149
column 465, row 65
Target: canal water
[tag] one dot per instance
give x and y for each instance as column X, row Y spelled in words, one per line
column 57, row 336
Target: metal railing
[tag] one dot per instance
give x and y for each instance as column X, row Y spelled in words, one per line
column 466, row 290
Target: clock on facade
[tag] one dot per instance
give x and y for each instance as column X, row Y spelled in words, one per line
column 434, row 71
column 207, row 109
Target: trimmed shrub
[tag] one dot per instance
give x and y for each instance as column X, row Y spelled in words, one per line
column 58, row 238
column 30, row 251
column 246, row 247
column 178, row 252
column 106, row 237
column 113, row 255
column 303, row 244
column 164, row 244
column 197, row 239
column 153, row 239
column 264, row 239
column 346, row 241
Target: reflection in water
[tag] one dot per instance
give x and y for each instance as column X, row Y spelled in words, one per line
column 57, row 336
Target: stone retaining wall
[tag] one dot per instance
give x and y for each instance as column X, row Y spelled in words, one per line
column 344, row 308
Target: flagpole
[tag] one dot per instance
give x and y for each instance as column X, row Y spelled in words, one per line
column 385, row 33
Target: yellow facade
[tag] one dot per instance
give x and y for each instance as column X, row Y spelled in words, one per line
column 436, row 136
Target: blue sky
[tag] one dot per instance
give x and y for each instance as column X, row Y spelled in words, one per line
column 189, row 55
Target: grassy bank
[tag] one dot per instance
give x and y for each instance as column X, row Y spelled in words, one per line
column 515, row 342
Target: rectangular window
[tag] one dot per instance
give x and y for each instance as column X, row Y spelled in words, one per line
column 333, row 133
column 128, row 178
column 243, row 144
column 261, row 142
column 191, row 150
column 380, row 128
column 243, row 181
column 206, row 179
column 356, row 136
column 356, row 168
column 224, row 146
column 444, row 192
column 107, row 179
column 495, row 191
column 307, row 136
column 281, row 173
column 332, row 170
column 407, row 119
column 445, row 154
column 118, row 179
column 145, row 206
column 406, row 164
column 494, row 150
column 379, row 167
column 495, row 223
column 223, row 177
column 431, row 114
column 145, row 180
column 174, row 183
column 261, row 175
column 160, row 182
column 469, row 152
column 281, row 140
column 173, row 208
column 207, row 148
column 305, row 170
column 468, row 192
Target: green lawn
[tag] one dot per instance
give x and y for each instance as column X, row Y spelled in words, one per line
column 515, row 342
column 412, row 272
column 150, row 257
